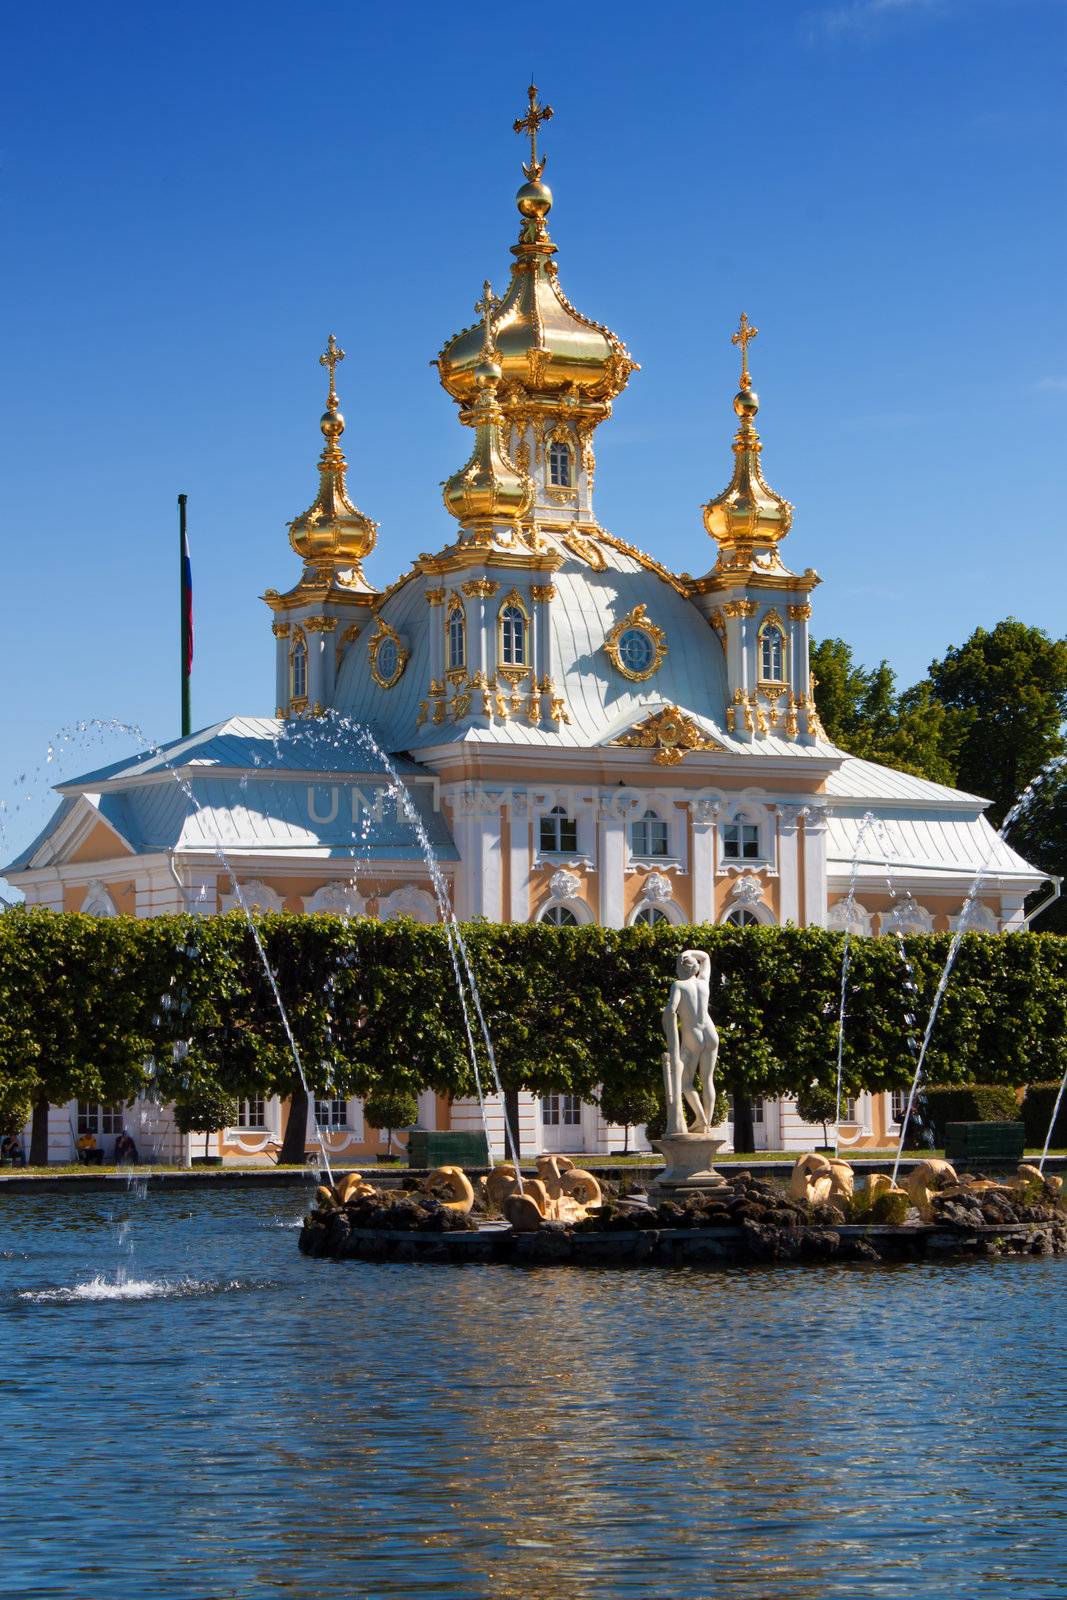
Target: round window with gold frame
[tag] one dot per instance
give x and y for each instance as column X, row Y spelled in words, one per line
column 388, row 657
column 636, row 646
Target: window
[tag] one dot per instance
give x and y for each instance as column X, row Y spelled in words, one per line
column 457, row 638
column 757, row 1111
column 740, row 918
column 560, row 465
column 512, row 637
column 252, row 1113
column 559, row 833
column 388, row 659
column 331, row 1113
column 648, row 835
column 740, row 841
column 772, row 654
column 560, row 917
column 898, row 1104
column 298, row 669
column 637, row 651
column 561, row 1111
column 650, row 917
column 95, row 1118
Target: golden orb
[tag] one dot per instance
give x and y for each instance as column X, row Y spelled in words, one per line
column 332, row 422
column 534, row 199
column 746, row 402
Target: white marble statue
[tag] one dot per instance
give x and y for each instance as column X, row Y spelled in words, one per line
column 692, row 1045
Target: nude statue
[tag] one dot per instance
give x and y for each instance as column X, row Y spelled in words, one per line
column 692, row 1045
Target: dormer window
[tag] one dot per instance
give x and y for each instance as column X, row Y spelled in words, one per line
column 298, row 668
column 560, row 465
column 457, row 637
column 513, row 651
column 772, row 651
column 648, row 835
column 559, row 833
column 740, row 841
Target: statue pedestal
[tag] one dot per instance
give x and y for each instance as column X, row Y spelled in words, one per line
column 688, row 1157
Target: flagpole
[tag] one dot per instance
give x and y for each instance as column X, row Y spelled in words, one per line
column 186, row 602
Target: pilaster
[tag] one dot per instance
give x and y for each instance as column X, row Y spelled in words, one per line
column 611, row 866
column 814, row 868
column 477, row 830
column 789, row 819
column 702, row 860
column 519, row 859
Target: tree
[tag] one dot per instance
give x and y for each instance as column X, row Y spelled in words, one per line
column 1040, row 834
column 818, row 1103
column 1006, row 694
column 862, row 712
column 390, row 1108
column 204, row 1106
column 628, row 1103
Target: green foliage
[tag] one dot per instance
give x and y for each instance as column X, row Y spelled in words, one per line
column 390, row 1108
column 1006, row 693
column 1036, row 1114
column 817, row 1103
column 969, row 1102
column 862, row 712
column 1040, row 834
column 204, row 1106
column 374, row 1006
column 628, row 1102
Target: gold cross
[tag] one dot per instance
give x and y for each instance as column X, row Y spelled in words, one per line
column 744, row 333
column 530, row 124
column 333, row 355
column 485, row 308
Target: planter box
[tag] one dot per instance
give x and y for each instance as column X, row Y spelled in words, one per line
column 206, row 1161
column 431, row 1149
column 980, row 1141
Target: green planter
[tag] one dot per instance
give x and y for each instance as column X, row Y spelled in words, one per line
column 207, row 1161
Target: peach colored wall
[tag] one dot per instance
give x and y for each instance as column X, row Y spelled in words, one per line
column 100, row 845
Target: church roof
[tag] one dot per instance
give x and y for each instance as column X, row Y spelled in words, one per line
column 932, row 845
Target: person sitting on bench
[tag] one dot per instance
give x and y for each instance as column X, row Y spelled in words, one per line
column 125, row 1150
column 11, row 1150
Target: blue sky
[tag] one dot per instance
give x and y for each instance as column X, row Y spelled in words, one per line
column 193, row 197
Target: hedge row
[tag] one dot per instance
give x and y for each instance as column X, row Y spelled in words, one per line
column 1036, row 1113
column 970, row 1102
column 85, row 1003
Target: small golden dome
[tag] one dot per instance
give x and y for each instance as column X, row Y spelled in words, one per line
column 534, row 199
column 489, row 487
column 333, row 534
column 748, row 518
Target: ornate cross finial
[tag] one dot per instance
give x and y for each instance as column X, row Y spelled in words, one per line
column 333, row 355
column 530, row 124
column 485, row 308
column 744, row 333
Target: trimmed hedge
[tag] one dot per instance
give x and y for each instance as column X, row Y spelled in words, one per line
column 1036, row 1113
column 969, row 1102
column 85, row 1003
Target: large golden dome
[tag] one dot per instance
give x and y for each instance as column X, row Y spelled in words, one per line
column 547, row 350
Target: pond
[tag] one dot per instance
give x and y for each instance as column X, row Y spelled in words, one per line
column 192, row 1409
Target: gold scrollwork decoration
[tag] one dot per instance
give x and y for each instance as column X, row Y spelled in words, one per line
column 636, row 620
column 671, row 734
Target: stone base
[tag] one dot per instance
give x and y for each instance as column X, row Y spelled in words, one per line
column 688, row 1157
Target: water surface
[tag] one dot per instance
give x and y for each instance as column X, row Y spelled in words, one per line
column 193, row 1410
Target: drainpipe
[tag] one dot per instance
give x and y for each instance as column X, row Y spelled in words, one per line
column 1057, row 885
column 181, row 887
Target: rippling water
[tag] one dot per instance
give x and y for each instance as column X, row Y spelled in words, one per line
column 193, row 1410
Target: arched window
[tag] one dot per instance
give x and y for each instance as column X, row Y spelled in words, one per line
column 650, row 917
column 512, row 637
column 560, row 465
column 298, row 669
column 559, row 833
column 772, row 653
column 560, row 917
column 457, row 637
column 648, row 835
column 740, row 918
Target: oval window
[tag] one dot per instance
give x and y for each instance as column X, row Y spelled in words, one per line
column 388, row 659
column 637, row 650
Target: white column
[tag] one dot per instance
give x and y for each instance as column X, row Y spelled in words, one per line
column 702, row 866
column 789, row 866
column 281, row 670
column 815, row 869
column 611, row 866
column 519, row 859
column 480, row 890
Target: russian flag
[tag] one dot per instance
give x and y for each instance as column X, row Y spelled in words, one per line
column 187, row 599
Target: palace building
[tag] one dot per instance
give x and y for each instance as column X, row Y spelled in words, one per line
column 586, row 735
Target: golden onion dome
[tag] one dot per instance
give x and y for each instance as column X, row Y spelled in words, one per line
column 546, row 348
column 333, row 534
column 748, row 515
column 489, row 487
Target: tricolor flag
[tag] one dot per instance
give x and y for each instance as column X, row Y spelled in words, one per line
column 186, row 615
